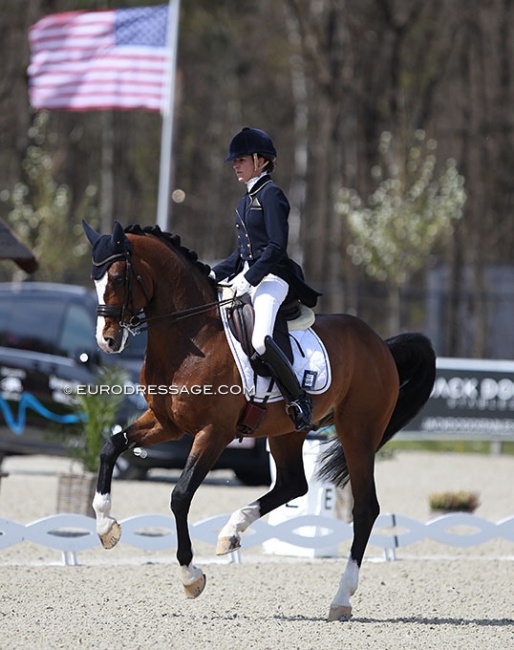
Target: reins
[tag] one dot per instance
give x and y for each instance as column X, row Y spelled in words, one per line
column 136, row 324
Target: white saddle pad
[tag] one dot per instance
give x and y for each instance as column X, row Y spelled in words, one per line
column 311, row 365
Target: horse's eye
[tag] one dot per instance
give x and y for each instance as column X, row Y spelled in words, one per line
column 117, row 280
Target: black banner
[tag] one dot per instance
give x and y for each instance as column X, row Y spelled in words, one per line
column 471, row 399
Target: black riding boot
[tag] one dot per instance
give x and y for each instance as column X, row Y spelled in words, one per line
column 299, row 403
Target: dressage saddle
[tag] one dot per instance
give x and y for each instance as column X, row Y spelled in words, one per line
column 241, row 319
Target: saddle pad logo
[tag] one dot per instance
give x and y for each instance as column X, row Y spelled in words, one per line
column 309, row 379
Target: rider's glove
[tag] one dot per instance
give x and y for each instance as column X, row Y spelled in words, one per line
column 240, row 285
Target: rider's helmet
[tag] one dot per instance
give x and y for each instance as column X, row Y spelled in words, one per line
column 250, row 141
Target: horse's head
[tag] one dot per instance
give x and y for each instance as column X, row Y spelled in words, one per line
column 120, row 289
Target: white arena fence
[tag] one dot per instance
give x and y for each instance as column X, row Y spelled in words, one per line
column 71, row 533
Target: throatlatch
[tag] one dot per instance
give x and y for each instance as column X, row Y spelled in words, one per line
column 299, row 403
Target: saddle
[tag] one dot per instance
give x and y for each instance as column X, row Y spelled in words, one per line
column 240, row 319
column 292, row 315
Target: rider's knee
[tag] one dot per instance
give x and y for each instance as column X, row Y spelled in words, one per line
column 258, row 343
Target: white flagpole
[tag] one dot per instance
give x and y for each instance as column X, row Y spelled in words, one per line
column 167, row 118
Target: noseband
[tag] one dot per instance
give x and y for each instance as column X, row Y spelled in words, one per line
column 137, row 322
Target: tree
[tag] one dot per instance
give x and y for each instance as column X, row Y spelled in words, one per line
column 40, row 209
column 402, row 221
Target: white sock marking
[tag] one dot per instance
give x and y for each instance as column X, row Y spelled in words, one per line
column 348, row 584
column 102, row 508
column 240, row 520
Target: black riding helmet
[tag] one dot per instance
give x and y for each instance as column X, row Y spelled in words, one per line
column 250, row 141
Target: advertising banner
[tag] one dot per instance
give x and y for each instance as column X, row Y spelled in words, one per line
column 471, row 399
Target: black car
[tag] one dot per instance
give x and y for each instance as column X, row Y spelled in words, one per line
column 47, row 345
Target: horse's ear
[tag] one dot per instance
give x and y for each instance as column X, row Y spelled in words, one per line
column 91, row 234
column 118, row 234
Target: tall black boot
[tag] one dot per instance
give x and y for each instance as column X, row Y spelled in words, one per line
column 299, row 403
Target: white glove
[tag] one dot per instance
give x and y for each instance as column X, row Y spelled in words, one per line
column 240, row 285
column 212, row 274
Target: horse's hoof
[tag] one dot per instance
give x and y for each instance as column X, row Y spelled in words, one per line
column 340, row 613
column 195, row 588
column 112, row 537
column 227, row 545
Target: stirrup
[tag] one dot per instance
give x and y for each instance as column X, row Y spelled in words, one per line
column 300, row 412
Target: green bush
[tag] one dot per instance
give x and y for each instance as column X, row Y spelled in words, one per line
column 99, row 415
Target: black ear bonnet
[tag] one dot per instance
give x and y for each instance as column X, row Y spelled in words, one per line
column 107, row 248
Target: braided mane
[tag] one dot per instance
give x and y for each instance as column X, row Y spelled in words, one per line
column 172, row 241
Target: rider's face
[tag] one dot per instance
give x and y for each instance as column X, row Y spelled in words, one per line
column 245, row 168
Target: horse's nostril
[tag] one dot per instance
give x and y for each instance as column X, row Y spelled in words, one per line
column 110, row 342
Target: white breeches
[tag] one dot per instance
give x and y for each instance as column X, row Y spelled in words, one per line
column 266, row 297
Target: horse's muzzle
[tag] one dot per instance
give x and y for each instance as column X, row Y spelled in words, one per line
column 112, row 339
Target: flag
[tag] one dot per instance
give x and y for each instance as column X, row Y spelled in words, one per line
column 83, row 60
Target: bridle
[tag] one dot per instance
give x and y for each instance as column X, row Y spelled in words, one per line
column 138, row 322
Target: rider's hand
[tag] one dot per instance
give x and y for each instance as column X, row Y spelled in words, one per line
column 240, row 285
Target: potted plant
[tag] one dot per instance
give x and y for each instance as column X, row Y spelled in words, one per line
column 98, row 407
column 460, row 501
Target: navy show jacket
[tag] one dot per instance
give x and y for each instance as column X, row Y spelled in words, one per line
column 262, row 234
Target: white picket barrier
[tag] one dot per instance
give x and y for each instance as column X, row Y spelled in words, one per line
column 71, row 534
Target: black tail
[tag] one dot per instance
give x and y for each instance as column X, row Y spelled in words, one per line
column 415, row 360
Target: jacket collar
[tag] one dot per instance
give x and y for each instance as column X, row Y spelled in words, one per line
column 261, row 182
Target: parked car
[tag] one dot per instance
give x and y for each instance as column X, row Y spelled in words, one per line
column 47, row 344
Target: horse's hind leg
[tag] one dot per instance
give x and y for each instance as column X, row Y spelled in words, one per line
column 290, row 483
column 359, row 446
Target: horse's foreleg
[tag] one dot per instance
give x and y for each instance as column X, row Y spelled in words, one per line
column 107, row 527
column 204, row 453
column 290, row 483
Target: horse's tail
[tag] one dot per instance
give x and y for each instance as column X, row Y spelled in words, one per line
column 415, row 360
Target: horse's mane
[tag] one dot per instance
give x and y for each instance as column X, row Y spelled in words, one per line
column 172, row 241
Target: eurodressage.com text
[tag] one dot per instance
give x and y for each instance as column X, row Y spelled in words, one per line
column 152, row 389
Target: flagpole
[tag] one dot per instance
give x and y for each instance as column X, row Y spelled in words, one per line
column 163, row 200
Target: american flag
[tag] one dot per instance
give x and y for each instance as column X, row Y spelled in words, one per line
column 100, row 60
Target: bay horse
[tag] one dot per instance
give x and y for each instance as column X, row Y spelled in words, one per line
column 146, row 277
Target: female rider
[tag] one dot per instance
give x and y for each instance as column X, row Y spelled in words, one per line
column 260, row 265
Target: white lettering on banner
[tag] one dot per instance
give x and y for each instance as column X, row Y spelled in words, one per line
column 487, row 394
column 468, row 425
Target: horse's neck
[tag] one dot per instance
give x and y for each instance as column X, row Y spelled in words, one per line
column 179, row 296
column 182, row 290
